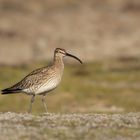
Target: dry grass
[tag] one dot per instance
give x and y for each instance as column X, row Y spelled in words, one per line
column 69, row 126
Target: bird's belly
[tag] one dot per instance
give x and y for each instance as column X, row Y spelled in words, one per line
column 43, row 87
column 48, row 86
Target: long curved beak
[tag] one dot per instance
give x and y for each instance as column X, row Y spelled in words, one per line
column 67, row 54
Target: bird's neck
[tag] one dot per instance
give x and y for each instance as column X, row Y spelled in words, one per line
column 58, row 63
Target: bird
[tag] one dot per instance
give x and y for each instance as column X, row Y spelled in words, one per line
column 42, row 80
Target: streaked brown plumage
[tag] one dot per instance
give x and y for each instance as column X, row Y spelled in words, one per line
column 42, row 80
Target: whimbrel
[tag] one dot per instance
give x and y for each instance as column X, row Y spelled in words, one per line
column 42, row 80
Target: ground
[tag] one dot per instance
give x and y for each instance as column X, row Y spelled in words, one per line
column 70, row 126
column 93, row 101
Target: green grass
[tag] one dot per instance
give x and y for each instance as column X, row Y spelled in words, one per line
column 91, row 87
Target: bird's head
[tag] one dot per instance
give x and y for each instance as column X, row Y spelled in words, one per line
column 62, row 52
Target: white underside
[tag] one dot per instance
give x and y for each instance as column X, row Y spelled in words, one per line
column 47, row 87
column 50, row 85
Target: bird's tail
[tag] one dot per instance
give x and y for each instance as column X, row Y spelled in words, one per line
column 10, row 91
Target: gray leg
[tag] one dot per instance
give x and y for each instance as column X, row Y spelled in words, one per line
column 31, row 102
column 44, row 104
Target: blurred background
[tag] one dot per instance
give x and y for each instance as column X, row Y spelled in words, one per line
column 105, row 34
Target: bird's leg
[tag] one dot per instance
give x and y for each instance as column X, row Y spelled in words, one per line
column 31, row 102
column 44, row 104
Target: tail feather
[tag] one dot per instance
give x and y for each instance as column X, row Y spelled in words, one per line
column 10, row 91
